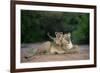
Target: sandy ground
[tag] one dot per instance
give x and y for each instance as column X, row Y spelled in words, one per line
column 27, row 54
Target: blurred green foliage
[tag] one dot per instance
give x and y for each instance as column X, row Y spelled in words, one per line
column 36, row 24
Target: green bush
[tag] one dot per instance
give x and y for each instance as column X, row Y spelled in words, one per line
column 36, row 24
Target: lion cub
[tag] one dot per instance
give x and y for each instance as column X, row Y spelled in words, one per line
column 55, row 47
column 57, row 40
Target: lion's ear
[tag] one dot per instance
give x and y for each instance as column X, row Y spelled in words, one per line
column 56, row 33
column 69, row 34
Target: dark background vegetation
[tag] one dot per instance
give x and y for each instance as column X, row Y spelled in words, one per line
column 36, row 24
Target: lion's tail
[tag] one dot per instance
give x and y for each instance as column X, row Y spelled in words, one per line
column 50, row 36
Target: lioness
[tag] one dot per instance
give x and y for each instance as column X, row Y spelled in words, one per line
column 66, row 41
column 57, row 40
column 49, row 48
column 61, row 44
column 67, row 44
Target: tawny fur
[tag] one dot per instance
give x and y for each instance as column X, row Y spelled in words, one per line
column 66, row 41
column 61, row 44
column 57, row 40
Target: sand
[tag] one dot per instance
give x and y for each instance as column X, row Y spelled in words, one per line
column 27, row 54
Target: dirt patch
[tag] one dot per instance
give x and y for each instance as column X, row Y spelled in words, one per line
column 28, row 56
